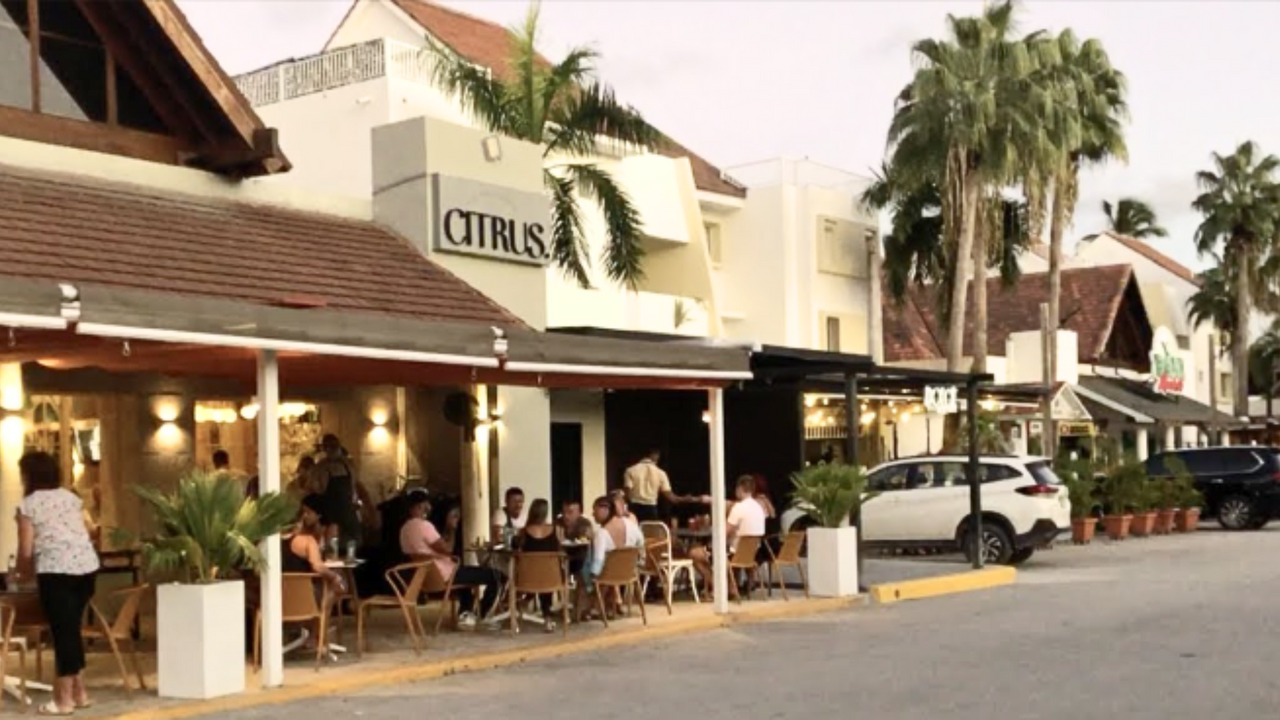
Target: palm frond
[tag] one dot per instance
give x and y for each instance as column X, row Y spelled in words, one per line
column 568, row 241
column 623, row 251
column 482, row 96
column 593, row 111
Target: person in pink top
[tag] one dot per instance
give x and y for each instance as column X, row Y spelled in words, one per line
column 420, row 540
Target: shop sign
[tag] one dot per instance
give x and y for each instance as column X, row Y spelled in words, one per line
column 490, row 221
column 1075, row 429
column 1167, row 369
column 941, row 400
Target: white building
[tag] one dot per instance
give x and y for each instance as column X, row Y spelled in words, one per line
column 785, row 262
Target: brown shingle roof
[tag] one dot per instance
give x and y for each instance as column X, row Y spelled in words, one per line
column 1156, row 257
column 1090, row 300
column 488, row 44
column 69, row 228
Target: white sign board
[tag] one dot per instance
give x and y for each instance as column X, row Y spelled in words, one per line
column 941, row 400
column 490, row 221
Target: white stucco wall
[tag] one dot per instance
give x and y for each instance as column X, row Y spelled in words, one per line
column 585, row 408
column 373, row 19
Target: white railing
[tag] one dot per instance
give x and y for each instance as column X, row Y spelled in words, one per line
column 336, row 68
column 825, row 432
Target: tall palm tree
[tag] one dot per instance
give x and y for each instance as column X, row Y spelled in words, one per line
column 965, row 99
column 1214, row 303
column 1264, row 360
column 564, row 108
column 1240, row 202
column 1133, row 218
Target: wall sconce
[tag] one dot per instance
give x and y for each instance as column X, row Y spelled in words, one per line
column 166, row 408
column 11, row 398
column 988, row 405
column 706, row 416
column 379, row 416
column 492, row 147
column 250, row 411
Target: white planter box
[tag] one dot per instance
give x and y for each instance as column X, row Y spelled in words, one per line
column 200, row 640
column 833, row 561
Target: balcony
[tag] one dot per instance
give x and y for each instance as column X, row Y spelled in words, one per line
column 337, row 68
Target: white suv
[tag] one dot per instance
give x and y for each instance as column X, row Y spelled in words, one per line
column 923, row 502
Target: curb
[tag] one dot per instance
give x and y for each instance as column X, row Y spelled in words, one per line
column 373, row 678
column 888, row 593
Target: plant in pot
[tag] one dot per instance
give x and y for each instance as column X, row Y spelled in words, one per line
column 1144, row 507
column 1082, row 490
column 1189, row 500
column 208, row 533
column 1167, row 498
column 830, row 494
column 1119, row 488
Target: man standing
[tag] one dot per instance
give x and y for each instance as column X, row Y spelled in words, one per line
column 645, row 483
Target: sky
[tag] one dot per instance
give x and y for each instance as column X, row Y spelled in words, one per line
column 749, row 80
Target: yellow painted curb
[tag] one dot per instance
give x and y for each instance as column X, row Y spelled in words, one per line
column 356, row 681
column 943, row 584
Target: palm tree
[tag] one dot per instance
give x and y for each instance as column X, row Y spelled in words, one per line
column 1240, row 202
column 1264, row 355
column 1133, row 218
column 1214, row 303
column 964, row 101
column 565, row 109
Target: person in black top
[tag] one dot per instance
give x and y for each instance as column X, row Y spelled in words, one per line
column 335, row 479
column 539, row 535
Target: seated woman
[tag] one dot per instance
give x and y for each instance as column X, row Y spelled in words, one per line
column 301, row 552
column 419, row 540
column 614, row 532
column 539, row 535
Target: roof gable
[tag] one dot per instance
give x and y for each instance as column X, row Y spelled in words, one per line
column 1165, row 262
column 142, row 84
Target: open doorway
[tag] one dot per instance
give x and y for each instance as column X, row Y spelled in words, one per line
column 566, row 463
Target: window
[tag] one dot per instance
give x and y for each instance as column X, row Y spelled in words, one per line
column 842, row 247
column 956, row 474
column 891, row 478
column 1225, row 389
column 833, row 334
column 1184, row 342
column 1042, row 472
column 714, row 247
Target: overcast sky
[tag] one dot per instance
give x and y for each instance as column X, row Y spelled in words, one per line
column 744, row 81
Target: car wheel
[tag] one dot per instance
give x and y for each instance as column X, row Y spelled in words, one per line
column 1236, row 512
column 997, row 549
column 1020, row 556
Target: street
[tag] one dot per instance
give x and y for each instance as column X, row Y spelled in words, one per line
column 1174, row 627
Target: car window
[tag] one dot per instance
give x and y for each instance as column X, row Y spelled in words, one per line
column 1239, row 461
column 1202, row 462
column 887, row 479
column 956, row 474
column 996, row 473
column 1043, row 473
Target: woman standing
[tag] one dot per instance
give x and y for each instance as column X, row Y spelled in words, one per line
column 54, row 542
column 336, row 481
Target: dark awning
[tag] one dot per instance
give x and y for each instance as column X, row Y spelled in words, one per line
column 27, row 303
column 1141, row 404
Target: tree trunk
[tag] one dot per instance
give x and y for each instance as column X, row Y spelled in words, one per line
column 960, row 288
column 1057, row 226
column 980, row 239
column 1240, row 338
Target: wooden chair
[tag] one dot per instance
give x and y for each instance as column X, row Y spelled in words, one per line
column 788, row 556
column 436, row 583
column 661, row 563
column 406, row 594
column 620, row 572
column 299, row 605
column 8, row 615
column 539, row 573
column 120, row 630
column 744, row 558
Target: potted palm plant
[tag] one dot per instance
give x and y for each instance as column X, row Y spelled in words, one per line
column 1144, row 507
column 1167, row 499
column 1118, row 490
column 1190, row 501
column 208, row 533
column 830, row 494
column 1082, row 489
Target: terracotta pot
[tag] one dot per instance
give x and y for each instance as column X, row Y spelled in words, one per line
column 1117, row 526
column 1187, row 520
column 1164, row 521
column 1143, row 524
column 1082, row 530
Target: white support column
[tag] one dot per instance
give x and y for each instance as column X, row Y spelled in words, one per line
column 1169, row 437
column 719, row 540
column 12, row 439
column 269, row 481
column 1142, row 443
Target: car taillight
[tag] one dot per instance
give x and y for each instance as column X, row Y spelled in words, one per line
column 1038, row 490
column 1275, row 476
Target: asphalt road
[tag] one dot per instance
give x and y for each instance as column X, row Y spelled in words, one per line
column 1179, row 627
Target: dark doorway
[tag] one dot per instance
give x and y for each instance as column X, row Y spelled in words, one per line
column 566, row 463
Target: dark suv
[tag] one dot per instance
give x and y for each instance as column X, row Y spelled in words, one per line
column 1241, row 485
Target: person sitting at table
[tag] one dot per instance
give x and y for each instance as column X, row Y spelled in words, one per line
column 746, row 519
column 573, row 526
column 622, row 508
column 538, row 535
column 54, row 544
column 613, row 532
column 420, row 540
column 510, row 517
column 302, row 545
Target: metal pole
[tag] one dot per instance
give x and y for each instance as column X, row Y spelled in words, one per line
column 1048, row 438
column 975, row 486
column 851, row 458
column 269, row 481
column 719, row 538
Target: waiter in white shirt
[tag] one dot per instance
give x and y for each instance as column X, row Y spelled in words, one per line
column 645, row 483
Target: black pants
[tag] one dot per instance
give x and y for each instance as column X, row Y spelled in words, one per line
column 644, row 513
column 63, row 598
column 467, row 577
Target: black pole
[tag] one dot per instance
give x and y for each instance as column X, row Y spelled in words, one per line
column 975, row 486
column 851, row 458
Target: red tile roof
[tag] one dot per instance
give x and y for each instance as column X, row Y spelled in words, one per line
column 73, row 229
column 488, row 44
column 1156, row 257
column 1090, row 300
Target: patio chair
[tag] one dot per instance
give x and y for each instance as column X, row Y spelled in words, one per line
column 299, row 605
column 620, row 572
column 120, row 630
column 787, row 556
column 744, row 558
column 8, row 615
column 406, row 594
column 539, row 573
column 436, row 583
column 661, row 563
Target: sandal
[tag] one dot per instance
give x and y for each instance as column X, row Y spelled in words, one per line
column 51, row 708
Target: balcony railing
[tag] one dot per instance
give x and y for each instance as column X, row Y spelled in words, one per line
column 337, row 68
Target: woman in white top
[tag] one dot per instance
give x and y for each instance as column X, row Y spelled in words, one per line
column 613, row 532
column 54, row 544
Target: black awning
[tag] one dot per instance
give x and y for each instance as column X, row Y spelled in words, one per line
column 1142, row 404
